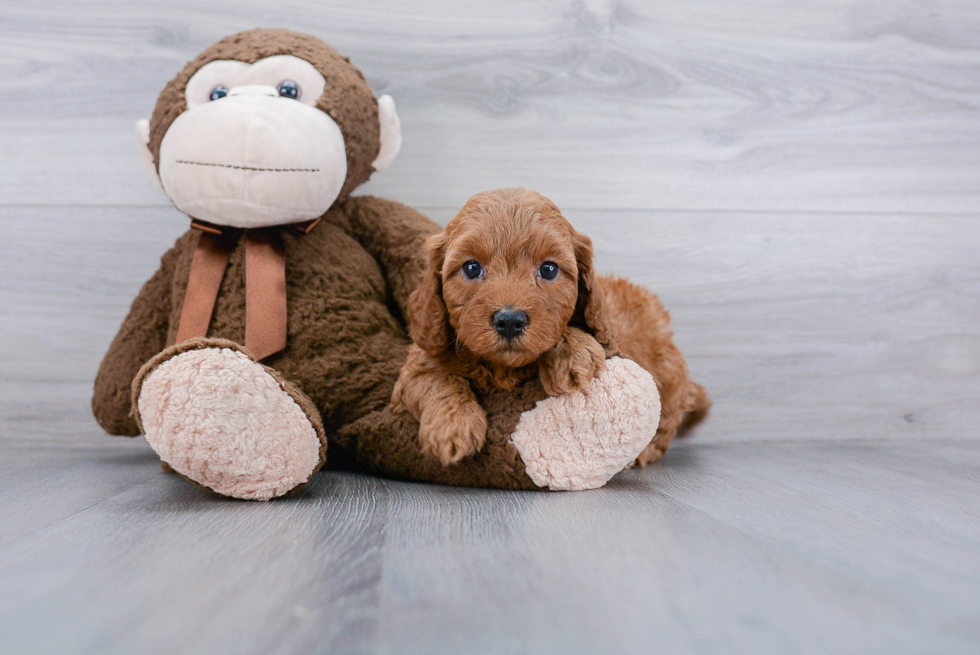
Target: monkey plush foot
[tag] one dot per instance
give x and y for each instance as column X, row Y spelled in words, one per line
column 227, row 423
column 579, row 440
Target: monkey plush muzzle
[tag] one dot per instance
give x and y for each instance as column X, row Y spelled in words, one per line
column 252, row 159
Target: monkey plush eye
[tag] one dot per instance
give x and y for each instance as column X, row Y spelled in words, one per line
column 472, row 269
column 219, row 92
column 548, row 270
column 289, row 89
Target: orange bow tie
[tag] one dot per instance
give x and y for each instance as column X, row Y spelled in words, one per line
column 265, row 283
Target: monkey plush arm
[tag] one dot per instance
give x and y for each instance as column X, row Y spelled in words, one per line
column 395, row 236
column 142, row 335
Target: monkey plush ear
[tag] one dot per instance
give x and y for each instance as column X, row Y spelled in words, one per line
column 391, row 133
column 143, row 140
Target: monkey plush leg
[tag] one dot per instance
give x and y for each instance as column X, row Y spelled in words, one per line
column 227, row 423
column 573, row 441
column 580, row 440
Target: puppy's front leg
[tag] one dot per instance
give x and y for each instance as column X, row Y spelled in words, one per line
column 452, row 425
column 571, row 363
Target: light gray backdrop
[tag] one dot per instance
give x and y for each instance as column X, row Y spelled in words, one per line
column 797, row 180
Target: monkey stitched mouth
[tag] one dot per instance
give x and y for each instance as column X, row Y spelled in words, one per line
column 251, row 168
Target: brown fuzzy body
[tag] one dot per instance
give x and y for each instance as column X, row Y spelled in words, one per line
column 344, row 279
column 347, row 282
column 571, row 322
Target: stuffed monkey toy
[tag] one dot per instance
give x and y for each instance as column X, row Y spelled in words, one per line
column 276, row 324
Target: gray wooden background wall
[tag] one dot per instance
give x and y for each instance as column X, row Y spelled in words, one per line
column 799, row 181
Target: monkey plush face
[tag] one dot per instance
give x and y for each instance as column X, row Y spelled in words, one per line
column 267, row 127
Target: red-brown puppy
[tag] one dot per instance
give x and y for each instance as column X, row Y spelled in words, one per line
column 510, row 293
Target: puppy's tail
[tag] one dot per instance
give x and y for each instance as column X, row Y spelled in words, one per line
column 696, row 407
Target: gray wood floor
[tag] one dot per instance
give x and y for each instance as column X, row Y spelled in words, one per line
column 798, row 181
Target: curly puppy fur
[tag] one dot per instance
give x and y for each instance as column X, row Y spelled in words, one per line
column 570, row 324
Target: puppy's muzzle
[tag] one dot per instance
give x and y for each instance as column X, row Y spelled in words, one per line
column 509, row 323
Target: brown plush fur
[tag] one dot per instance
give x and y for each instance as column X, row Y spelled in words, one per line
column 344, row 346
column 348, row 281
column 348, row 284
column 572, row 322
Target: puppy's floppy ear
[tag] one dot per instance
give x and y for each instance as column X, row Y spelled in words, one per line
column 590, row 311
column 427, row 315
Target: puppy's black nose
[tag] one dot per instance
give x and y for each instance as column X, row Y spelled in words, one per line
column 509, row 322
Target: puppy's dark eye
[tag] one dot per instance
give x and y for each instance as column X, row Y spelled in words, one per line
column 289, row 89
column 548, row 270
column 472, row 269
column 218, row 92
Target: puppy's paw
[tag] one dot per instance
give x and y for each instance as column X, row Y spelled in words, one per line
column 452, row 433
column 572, row 363
column 650, row 455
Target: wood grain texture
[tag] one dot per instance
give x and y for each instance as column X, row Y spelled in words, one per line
column 796, row 180
column 761, row 548
column 765, row 104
